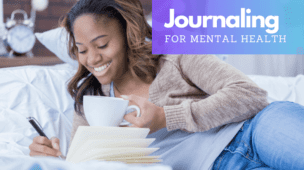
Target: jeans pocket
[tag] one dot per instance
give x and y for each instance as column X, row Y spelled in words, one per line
column 237, row 159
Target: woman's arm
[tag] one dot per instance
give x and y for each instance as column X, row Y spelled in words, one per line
column 233, row 96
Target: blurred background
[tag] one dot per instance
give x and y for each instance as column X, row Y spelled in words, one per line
column 48, row 18
column 269, row 65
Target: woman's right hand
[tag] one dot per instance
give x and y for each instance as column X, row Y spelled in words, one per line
column 42, row 146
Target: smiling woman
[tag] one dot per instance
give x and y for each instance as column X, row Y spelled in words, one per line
column 109, row 40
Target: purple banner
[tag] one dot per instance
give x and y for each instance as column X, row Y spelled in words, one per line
column 228, row 27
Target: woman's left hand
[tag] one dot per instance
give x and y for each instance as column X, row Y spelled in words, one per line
column 152, row 116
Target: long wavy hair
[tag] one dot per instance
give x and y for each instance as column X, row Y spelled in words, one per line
column 130, row 15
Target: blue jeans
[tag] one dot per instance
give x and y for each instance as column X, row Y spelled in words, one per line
column 273, row 139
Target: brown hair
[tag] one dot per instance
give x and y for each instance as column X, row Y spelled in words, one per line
column 130, row 14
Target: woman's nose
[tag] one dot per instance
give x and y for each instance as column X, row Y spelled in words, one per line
column 94, row 58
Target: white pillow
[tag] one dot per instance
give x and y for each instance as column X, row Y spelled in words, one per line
column 36, row 91
column 57, row 42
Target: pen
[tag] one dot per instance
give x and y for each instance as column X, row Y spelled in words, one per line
column 38, row 128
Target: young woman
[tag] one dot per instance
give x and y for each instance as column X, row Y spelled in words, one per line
column 204, row 113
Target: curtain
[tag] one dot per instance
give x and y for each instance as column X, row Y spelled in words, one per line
column 271, row 65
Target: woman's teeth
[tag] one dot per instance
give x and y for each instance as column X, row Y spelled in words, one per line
column 101, row 68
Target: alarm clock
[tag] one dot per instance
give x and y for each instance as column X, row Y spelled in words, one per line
column 19, row 36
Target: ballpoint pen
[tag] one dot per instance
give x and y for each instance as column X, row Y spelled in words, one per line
column 38, row 128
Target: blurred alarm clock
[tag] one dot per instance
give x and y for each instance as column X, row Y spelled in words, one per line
column 20, row 36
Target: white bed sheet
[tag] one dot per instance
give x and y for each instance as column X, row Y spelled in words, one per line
column 282, row 88
column 41, row 92
column 49, row 163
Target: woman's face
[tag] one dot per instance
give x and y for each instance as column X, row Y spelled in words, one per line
column 101, row 47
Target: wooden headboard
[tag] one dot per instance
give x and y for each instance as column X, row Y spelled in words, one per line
column 21, row 61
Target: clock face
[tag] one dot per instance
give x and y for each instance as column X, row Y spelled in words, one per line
column 21, row 39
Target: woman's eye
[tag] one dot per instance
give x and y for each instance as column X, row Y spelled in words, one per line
column 82, row 52
column 104, row 46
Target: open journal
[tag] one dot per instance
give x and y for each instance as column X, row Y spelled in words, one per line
column 124, row 144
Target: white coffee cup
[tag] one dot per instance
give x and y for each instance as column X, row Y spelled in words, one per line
column 106, row 111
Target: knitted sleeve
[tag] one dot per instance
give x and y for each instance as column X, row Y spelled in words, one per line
column 234, row 97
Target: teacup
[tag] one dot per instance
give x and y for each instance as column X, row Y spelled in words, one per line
column 106, row 111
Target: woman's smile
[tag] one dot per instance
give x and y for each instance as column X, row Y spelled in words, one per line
column 99, row 71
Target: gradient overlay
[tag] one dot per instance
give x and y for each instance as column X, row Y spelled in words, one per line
column 288, row 39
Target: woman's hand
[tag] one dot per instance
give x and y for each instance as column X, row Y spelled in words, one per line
column 42, row 146
column 152, row 116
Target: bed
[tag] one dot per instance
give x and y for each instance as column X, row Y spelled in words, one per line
column 41, row 92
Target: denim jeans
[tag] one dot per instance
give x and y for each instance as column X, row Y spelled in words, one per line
column 273, row 139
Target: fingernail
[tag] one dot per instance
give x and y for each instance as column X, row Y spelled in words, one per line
column 125, row 97
column 56, row 146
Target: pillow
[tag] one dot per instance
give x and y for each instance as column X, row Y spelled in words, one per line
column 56, row 41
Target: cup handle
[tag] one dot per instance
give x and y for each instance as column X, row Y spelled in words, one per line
column 138, row 114
column 136, row 108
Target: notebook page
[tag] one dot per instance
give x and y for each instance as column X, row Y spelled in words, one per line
column 85, row 133
column 113, row 152
column 112, row 143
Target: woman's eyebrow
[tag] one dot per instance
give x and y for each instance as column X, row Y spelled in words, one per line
column 96, row 38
